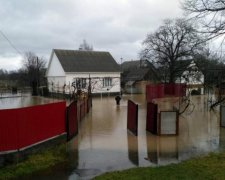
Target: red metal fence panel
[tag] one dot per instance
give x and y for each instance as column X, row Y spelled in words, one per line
column 72, row 123
column 8, row 130
column 151, row 92
column 169, row 89
column 26, row 126
column 180, row 90
column 154, row 91
column 160, row 90
column 41, row 122
column 132, row 117
column 151, row 120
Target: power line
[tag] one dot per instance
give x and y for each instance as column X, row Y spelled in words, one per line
column 11, row 44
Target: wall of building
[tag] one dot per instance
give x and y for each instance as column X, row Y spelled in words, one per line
column 97, row 81
column 55, row 68
column 55, row 75
column 55, row 84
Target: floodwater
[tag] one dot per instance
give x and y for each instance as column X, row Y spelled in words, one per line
column 23, row 100
column 103, row 143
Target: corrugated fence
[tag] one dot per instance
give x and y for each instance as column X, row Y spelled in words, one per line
column 154, row 91
column 23, row 127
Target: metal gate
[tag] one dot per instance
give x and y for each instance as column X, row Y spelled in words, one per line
column 132, row 117
column 72, row 121
column 151, row 120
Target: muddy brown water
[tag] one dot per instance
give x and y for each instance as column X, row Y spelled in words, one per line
column 103, row 143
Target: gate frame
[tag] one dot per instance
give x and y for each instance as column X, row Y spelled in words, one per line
column 177, row 124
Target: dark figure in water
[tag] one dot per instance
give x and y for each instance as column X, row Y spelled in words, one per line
column 117, row 98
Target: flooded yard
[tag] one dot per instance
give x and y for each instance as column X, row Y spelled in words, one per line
column 103, row 143
column 23, row 100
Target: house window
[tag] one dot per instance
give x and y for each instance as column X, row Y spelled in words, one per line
column 107, row 82
column 83, row 83
column 79, row 83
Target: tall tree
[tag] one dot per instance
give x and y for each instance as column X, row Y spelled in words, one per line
column 33, row 66
column 212, row 68
column 209, row 13
column 174, row 41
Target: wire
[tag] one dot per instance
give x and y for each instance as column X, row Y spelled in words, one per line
column 11, row 44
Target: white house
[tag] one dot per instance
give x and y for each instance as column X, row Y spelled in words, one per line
column 193, row 77
column 67, row 67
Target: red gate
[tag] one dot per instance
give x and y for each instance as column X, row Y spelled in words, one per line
column 132, row 117
column 72, row 123
column 151, row 120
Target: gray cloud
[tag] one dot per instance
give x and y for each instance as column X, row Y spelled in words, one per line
column 118, row 26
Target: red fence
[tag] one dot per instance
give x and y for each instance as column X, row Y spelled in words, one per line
column 154, row 91
column 83, row 107
column 132, row 117
column 169, row 89
column 76, row 111
column 151, row 120
column 22, row 127
column 72, row 123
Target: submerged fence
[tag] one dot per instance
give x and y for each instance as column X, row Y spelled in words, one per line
column 22, row 127
column 154, row 91
column 76, row 111
column 72, row 123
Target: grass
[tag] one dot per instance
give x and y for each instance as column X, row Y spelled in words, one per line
column 208, row 167
column 34, row 163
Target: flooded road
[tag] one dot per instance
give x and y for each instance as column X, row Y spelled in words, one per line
column 103, row 143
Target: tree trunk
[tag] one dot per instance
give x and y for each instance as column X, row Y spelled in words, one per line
column 34, row 88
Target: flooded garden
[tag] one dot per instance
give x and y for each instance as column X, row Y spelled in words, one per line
column 103, row 143
column 23, row 100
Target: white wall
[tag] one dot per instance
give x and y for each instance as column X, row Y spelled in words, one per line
column 54, row 67
column 55, row 84
column 55, row 75
column 96, row 79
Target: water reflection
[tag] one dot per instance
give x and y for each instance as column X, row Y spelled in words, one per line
column 132, row 142
column 162, row 150
column 222, row 138
column 24, row 101
column 103, row 143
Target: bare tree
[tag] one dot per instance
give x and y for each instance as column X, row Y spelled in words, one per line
column 174, row 41
column 209, row 13
column 85, row 46
column 33, row 66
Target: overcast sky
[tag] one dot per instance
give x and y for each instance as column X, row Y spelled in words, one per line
column 117, row 26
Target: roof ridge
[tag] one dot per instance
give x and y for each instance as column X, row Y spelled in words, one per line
column 78, row 50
